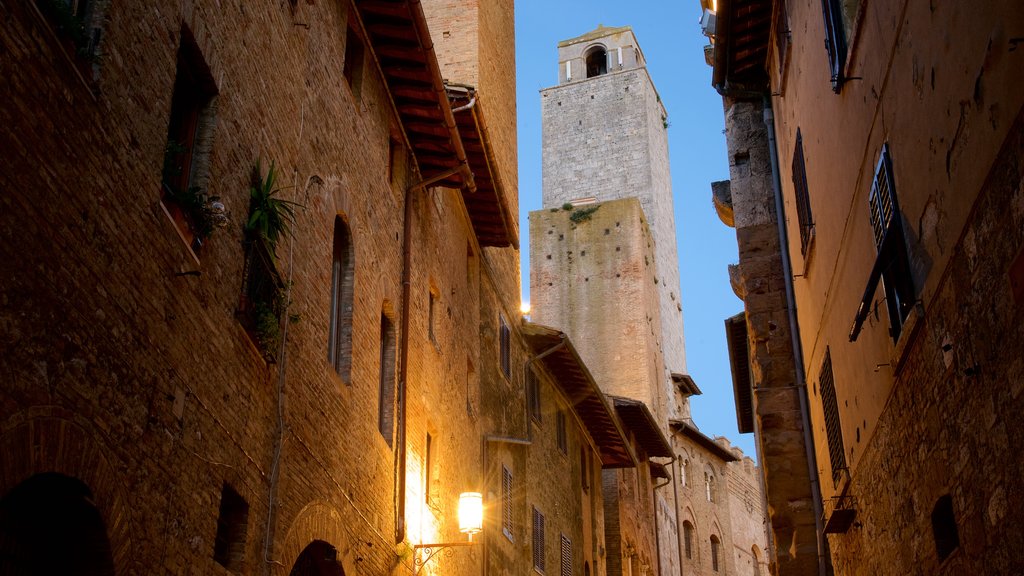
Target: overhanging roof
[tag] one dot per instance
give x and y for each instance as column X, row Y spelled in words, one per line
column 399, row 39
column 686, row 384
column 739, row 361
column 690, row 431
column 638, row 418
column 741, row 41
column 587, row 400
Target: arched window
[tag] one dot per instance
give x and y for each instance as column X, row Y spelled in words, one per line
column 339, row 343
column 688, row 539
column 947, row 538
column 386, row 406
column 709, row 486
column 715, row 545
column 684, row 472
column 597, row 62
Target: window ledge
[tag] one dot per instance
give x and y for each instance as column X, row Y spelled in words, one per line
column 911, row 326
column 174, row 225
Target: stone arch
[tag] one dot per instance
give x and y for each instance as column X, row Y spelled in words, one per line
column 50, row 442
column 595, row 59
column 758, row 559
column 317, row 521
column 690, row 524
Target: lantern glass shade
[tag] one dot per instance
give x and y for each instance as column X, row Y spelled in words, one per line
column 471, row 512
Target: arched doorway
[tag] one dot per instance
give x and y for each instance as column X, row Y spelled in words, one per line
column 318, row 559
column 49, row 524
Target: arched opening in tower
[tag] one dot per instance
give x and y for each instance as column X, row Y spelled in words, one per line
column 597, row 62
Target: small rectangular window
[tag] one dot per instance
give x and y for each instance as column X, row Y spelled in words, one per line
column 560, row 433
column 505, row 346
column 585, row 471
column 432, row 301
column 803, row 201
column 386, row 401
column 833, row 429
column 430, row 462
column 352, row 69
column 538, row 541
column 533, row 395
column 506, row 502
column 565, row 557
column 232, row 528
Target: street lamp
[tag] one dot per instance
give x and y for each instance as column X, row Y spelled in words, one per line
column 471, row 521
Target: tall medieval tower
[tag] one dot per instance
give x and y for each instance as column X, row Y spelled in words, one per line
column 603, row 250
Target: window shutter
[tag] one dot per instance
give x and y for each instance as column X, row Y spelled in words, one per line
column 566, row 556
column 836, row 452
column 882, row 200
column 803, row 200
column 538, row 541
column 506, row 502
column 505, row 345
column 835, row 41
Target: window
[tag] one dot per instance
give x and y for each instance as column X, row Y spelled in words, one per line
column 538, row 541
column 836, row 452
column 429, row 463
column 505, row 346
column 565, row 556
column 947, row 538
column 688, row 539
column 232, row 526
column 386, row 409
column 395, row 158
column 560, row 433
column 839, row 21
column 892, row 264
column 709, row 486
column 432, row 301
column 887, row 226
column 354, row 57
column 597, row 62
column 715, row 544
column 189, row 139
column 339, row 342
column 533, row 395
column 684, row 472
column 506, row 502
column 78, row 23
column 585, row 468
column 803, row 201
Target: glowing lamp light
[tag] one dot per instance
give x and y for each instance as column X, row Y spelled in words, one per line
column 471, row 513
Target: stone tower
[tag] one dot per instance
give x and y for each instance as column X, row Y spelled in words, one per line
column 605, row 139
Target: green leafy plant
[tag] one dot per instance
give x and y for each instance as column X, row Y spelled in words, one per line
column 270, row 217
column 267, row 328
column 583, row 214
column 567, row 206
column 192, row 200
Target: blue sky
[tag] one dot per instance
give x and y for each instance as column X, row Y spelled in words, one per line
column 671, row 40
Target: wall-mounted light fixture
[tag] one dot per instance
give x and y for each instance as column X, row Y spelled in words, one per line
column 471, row 521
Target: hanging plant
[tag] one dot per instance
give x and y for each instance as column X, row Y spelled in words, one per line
column 270, row 217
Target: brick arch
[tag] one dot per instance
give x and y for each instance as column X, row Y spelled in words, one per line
column 51, row 441
column 318, row 520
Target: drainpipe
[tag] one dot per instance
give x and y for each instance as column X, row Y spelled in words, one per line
column 824, row 567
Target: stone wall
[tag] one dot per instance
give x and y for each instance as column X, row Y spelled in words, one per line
column 777, row 404
column 949, row 425
column 126, row 366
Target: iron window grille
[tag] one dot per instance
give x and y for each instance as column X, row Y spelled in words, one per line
column 506, row 502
